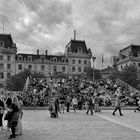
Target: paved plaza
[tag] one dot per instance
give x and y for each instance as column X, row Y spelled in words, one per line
column 37, row 125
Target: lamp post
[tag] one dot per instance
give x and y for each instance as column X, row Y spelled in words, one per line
column 93, row 58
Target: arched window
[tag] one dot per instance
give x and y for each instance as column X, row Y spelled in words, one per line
column 79, row 49
column 29, row 67
column 20, row 58
column 1, row 44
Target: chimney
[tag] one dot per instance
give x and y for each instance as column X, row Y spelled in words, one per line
column 46, row 52
column 37, row 51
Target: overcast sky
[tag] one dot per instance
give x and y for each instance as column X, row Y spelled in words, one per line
column 106, row 25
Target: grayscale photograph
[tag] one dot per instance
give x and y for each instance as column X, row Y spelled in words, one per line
column 70, row 69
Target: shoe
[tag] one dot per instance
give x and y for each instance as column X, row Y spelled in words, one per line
column 121, row 114
column 113, row 114
column 135, row 111
column 12, row 136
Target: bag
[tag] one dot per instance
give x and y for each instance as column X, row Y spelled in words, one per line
column 8, row 116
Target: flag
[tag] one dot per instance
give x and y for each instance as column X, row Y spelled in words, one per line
column 102, row 58
column 26, row 85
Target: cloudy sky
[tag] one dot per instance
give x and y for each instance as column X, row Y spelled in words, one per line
column 106, row 25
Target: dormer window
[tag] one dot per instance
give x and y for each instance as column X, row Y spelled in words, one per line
column 54, row 59
column 63, row 60
column 20, row 57
column 1, row 44
column 30, row 58
column 79, row 49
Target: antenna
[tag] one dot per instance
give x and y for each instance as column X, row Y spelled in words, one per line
column 3, row 23
column 74, row 34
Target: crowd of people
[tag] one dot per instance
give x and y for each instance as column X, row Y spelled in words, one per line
column 62, row 94
column 41, row 91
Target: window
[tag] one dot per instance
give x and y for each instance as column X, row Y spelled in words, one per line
column 1, row 44
column 85, row 62
column 79, row 69
column 19, row 67
column 54, row 68
column 139, row 64
column 8, row 66
column 63, row 69
column 79, row 49
column 79, row 61
column 30, row 58
column 8, row 75
column 30, row 67
column 73, row 61
column 1, row 76
column 8, row 58
column 54, row 59
column 42, row 67
column 73, row 69
column 20, row 58
column 63, row 60
column 1, row 57
column 1, row 66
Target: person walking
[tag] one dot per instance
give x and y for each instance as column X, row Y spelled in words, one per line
column 74, row 103
column 118, row 106
column 138, row 108
column 62, row 103
column 90, row 105
column 68, row 102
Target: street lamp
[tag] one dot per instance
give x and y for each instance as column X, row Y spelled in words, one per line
column 93, row 58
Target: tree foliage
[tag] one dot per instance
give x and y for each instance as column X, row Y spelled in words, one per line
column 16, row 82
column 89, row 73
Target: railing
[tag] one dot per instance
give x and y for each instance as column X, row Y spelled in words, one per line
column 127, row 86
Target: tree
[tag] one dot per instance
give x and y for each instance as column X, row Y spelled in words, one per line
column 16, row 82
column 89, row 73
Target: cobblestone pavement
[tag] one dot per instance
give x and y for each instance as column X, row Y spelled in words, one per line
column 37, row 125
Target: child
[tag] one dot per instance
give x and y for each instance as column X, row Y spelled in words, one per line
column 52, row 110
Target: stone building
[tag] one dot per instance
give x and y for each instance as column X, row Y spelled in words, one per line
column 128, row 56
column 73, row 62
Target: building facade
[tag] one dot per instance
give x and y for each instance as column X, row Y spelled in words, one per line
column 73, row 62
column 128, row 56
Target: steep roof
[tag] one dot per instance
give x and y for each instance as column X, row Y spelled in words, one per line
column 7, row 39
column 75, row 44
